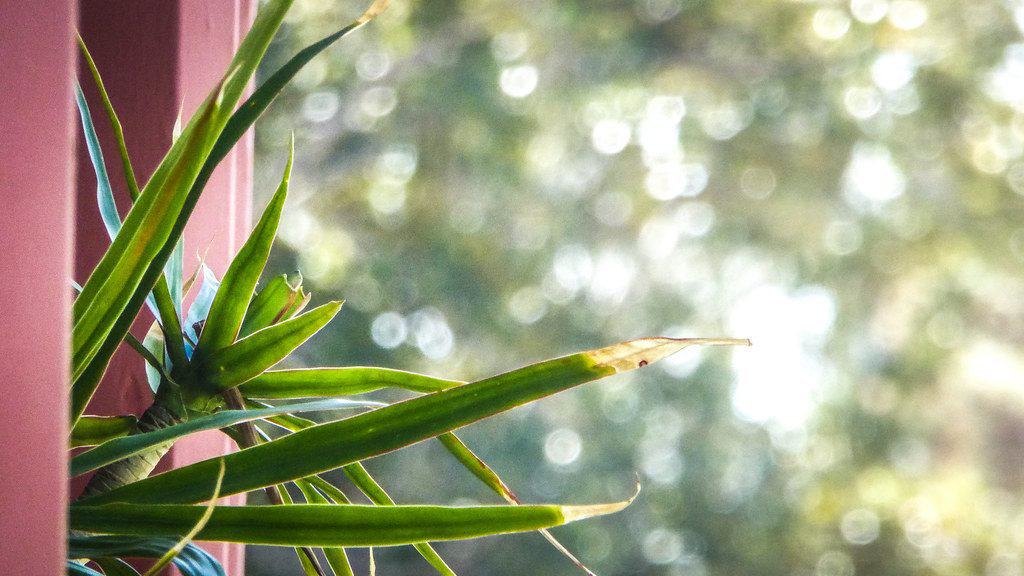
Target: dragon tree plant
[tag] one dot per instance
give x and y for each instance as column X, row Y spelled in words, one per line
column 211, row 368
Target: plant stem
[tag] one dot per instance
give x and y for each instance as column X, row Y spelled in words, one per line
column 233, row 399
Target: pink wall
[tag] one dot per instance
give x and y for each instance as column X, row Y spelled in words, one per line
column 36, row 184
column 154, row 55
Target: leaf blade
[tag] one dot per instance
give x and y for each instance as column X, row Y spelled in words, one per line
column 316, row 382
column 238, row 283
column 95, row 430
column 336, row 444
column 127, row 446
column 322, row 525
column 252, row 355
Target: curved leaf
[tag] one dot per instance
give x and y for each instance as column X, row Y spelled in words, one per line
column 236, row 287
column 95, row 430
column 250, row 356
column 121, row 448
column 335, row 444
column 329, row 525
column 115, row 567
column 277, row 301
column 318, row 382
column 192, row 561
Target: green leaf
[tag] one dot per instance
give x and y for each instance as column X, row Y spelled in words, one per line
column 470, row 461
column 336, row 444
column 337, row 559
column 164, row 302
column 115, row 124
column 278, row 300
column 261, row 98
column 94, row 430
column 376, row 493
column 250, row 356
column 192, row 561
column 111, row 297
column 239, row 282
column 323, row 525
column 317, row 382
column 307, row 558
column 121, row 448
column 185, row 540
column 362, row 479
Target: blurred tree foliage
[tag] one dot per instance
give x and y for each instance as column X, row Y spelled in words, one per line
column 491, row 182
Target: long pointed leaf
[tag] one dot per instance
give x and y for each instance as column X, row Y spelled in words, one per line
column 335, row 444
column 115, row 124
column 167, row 292
column 239, row 282
column 121, row 448
column 277, row 301
column 329, row 525
column 337, row 559
column 470, row 461
column 250, row 356
column 376, row 493
column 317, row 382
column 185, row 540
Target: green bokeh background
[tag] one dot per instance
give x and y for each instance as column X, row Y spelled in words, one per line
column 494, row 182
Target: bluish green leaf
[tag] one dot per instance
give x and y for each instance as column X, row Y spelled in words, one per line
column 200, row 308
column 192, row 561
column 121, row 448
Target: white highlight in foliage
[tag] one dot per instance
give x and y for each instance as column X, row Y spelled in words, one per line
column 869, row 11
column 830, row 23
column 872, row 178
column 432, row 334
column 389, row 330
column 610, row 136
column 778, row 381
column 908, row 14
column 519, row 81
column 860, row 526
column 562, row 446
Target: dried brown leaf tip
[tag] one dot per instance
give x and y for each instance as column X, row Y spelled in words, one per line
column 639, row 353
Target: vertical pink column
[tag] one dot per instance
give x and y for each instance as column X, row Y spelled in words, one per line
column 156, row 57
column 37, row 195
